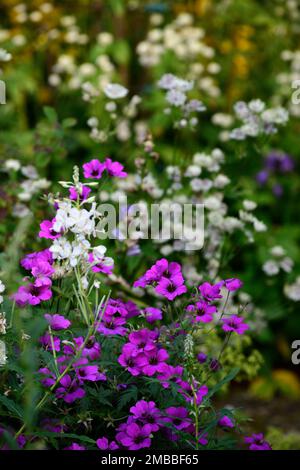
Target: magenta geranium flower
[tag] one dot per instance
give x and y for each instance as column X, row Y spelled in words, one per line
column 226, row 422
column 42, row 269
column 92, row 348
column 93, row 169
column 114, row 168
column 46, row 342
column 130, row 360
column 152, row 314
column 236, row 324
column 57, row 322
column 154, row 360
column 69, row 390
column 257, row 442
column 135, row 437
column 86, row 372
column 169, row 374
column 100, row 266
column 80, row 195
column 31, row 260
column 211, row 292
column 171, row 288
column 143, row 340
column 47, row 230
column 233, row 284
column 33, row 293
column 203, row 312
column 110, row 325
column 178, row 416
column 145, row 412
column 104, row 444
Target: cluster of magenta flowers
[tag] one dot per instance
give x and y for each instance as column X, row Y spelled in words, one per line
column 33, row 293
column 94, row 169
column 166, row 277
column 70, row 385
column 276, row 163
column 140, row 339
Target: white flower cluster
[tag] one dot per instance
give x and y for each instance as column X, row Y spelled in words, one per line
column 186, row 41
column 29, row 187
column 288, row 79
column 176, row 95
column 4, row 55
column 119, row 115
column 257, row 119
column 78, row 227
column 278, row 262
column 292, row 291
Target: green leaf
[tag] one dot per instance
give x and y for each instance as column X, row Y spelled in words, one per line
column 11, row 406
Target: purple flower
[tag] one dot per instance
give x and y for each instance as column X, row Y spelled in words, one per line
column 47, row 342
column 110, row 325
column 154, row 360
column 42, row 269
column 100, row 266
column 143, row 340
column 162, row 268
column 257, row 442
column 214, row 365
column 57, row 322
column 262, row 177
column 104, row 444
column 226, row 422
column 135, row 437
column 233, row 284
column 171, row 288
column 114, row 168
column 75, row 446
column 189, row 393
column 202, row 358
column 82, row 195
column 53, row 425
column 85, row 372
column 130, row 360
column 235, row 323
column 169, row 374
column 69, row 390
column 178, row 417
column 33, row 293
column 93, row 169
column 92, row 349
column 146, row 413
column 203, row 312
column 211, row 292
column 152, row 314
column 33, row 259
column 47, row 230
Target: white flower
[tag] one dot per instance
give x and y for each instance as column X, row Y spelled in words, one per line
column 192, row 171
column 278, row 251
column 292, row 291
column 12, row 164
column 249, row 205
column 271, row 268
column 4, row 55
column 287, row 264
column 176, row 97
column 3, row 357
column 2, row 287
column 114, row 91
